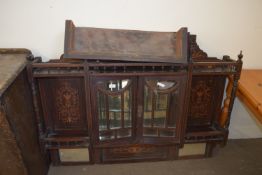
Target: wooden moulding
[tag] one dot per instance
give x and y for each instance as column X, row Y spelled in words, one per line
column 125, row 45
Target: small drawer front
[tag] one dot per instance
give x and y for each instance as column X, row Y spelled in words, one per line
column 134, row 153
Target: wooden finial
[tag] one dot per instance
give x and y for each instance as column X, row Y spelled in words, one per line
column 30, row 57
column 240, row 56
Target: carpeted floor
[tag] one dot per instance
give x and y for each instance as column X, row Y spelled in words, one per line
column 239, row 157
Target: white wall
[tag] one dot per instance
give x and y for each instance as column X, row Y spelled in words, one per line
column 224, row 27
column 243, row 123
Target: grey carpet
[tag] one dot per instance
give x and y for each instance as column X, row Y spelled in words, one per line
column 239, row 157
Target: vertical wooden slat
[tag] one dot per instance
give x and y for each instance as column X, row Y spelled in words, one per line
column 122, row 110
column 167, row 119
column 69, row 36
column 138, row 90
column 153, row 108
column 87, row 99
column 107, row 112
column 115, row 133
column 182, row 129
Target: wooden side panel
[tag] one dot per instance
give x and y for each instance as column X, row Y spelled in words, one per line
column 63, row 103
column 205, row 100
column 10, row 155
column 19, row 111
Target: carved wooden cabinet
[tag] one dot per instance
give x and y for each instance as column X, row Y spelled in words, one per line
column 121, row 95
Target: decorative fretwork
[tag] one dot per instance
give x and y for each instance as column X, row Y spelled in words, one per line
column 196, row 52
column 204, row 138
column 215, row 68
column 102, row 67
column 66, row 142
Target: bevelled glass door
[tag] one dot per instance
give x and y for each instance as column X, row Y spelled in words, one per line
column 114, row 108
column 162, row 106
column 138, row 108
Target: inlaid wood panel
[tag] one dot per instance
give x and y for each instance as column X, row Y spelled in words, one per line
column 205, row 99
column 136, row 153
column 63, row 103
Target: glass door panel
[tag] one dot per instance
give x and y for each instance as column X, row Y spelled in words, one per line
column 114, row 108
column 160, row 97
column 158, row 104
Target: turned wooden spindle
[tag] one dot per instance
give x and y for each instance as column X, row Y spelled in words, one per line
column 230, row 94
column 225, row 110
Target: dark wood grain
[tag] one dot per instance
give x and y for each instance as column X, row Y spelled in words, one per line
column 129, row 45
column 18, row 108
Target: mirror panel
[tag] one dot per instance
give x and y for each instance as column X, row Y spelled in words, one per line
column 114, row 102
column 158, row 96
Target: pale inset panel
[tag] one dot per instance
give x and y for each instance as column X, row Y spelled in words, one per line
column 74, row 155
column 192, row 149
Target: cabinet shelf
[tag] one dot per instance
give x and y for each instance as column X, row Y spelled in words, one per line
column 55, row 142
column 205, row 134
